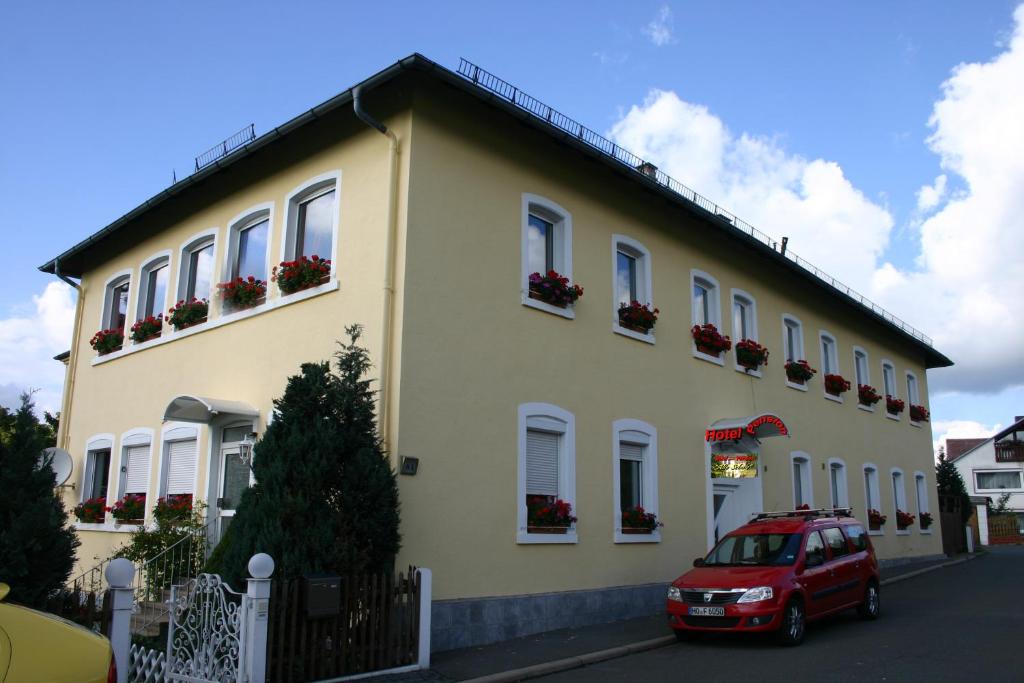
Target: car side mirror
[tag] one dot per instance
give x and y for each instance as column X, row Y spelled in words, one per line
column 814, row 561
column 699, row 562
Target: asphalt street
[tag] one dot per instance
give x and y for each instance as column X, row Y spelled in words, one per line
column 960, row 623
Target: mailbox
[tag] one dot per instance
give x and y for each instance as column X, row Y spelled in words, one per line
column 323, row 595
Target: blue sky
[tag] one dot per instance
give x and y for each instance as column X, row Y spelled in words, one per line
column 104, row 100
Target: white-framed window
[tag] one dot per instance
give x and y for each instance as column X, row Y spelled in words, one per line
column 248, row 253
column 634, row 475
column 889, row 384
column 838, row 490
column 872, row 495
column 921, row 494
column 792, row 338
column 96, row 473
column 546, row 244
column 803, row 490
column 997, row 480
column 136, row 454
column 195, row 271
column 311, row 226
column 178, row 462
column 705, row 308
column 829, row 360
column 913, row 398
column 153, row 281
column 631, row 277
column 899, row 497
column 547, row 466
column 860, row 366
column 115, row 301
column 744, row 323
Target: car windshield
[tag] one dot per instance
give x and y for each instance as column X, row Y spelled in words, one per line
column 755, row 549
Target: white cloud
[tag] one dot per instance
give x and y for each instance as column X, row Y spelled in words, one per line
column 929, row 196
column 660, row 29
column 28, row 342
column 960, row 429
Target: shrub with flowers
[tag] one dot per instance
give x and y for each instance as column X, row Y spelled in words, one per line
column 751, row 355
column 554, row 289
column 904, row 519
column 866, row 395
column 836, row 384
column 638, row 520
column 638, row 317
column 147, row 328
column 709, row 340
column 302, row 273
column 893, row 406
column 106, row 341
column 799, row 371
column 544, row 513
column 919, row 413
column 130, row 508
column 926, row 520
column 91, row 511
column 188, row 313
column 242, row 293
column 876, row 520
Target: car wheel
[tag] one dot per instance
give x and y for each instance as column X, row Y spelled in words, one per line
column 872, row 605
column 684, row 636
column 794, row 623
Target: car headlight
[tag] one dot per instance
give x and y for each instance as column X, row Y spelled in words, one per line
column 757, row 594
column 675, row 594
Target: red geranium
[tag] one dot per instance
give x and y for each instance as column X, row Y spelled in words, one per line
column 188, row 313
column 147, row 328
column 919, row 413
column 554, row 289
column 545, row 512
column 799, row 371
column 302, row 273
column 903, row 519
column 926, row 520
column 130, row 508
column 893, row 406
column 106, row 341
column 638, row 518
column 638, row 317
column 836, row 384
column 876, row 520
column 242, row 293
column 709, row 341
column 91, row 511
column 751, row 355
column 866, row 395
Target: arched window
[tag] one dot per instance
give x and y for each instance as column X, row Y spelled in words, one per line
column 803, row 492
column 312, row 221
column 860, row 366
column 96, row 473
column 115, row 302
column 792, row 338
column 634, row 476
column 631, row 274
column 706, row 309
column 547, row 467
column 921, row 492
column 837, row 483
column 889, row 386
column 178, row 460
column 872, row 496
column 249, row 244
column 153, row 283
column 899, row 498
column 195, row 274
column 546, row 245
column 136, row 455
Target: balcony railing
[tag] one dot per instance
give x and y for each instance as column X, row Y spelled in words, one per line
column 1010, row 451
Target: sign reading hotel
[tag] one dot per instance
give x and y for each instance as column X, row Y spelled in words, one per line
column 737, row 433
column 733, row 465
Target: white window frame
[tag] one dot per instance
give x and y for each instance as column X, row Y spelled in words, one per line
column 997, row 470
column 798, row 346
column 96, row 442
column 561, row 219
column 641, row 433
column 252, row 215
column 871, row 482
column 549, row 418
column 192, row 244
column 860, row 352
column 913, row 395
column 842, row 487
column 644, row 283
column 112, row 282
column 899, row 497
column 891, row 367
column 803, row 460
column 741, row 296
column 171, row 432
column 139, row 436
column 921, row 493
column 306, row 191
column 714, row 291
column 833, row 358
column 158, row 260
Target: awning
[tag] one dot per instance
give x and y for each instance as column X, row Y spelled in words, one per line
column 186, row 408
column 756, row 426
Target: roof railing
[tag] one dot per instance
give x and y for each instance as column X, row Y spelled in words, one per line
column 226, row 146
column 807, row 514
column 553, row 117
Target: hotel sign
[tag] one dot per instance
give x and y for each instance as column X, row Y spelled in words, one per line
column 737, row 433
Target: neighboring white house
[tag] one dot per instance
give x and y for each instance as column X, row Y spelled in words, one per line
column 996, row 466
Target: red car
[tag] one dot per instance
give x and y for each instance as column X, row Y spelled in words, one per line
column 776, row 573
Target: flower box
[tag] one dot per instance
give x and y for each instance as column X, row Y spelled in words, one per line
column 867, row 396
column 903, row 520
column 836, row 385
column 553, row 289
column 636, row 530
column 708, row 340
column 547, row 529
column 636, row 520
column 799, row 371
column 876, row 520
column 751, row 355
column 547, row 516
column 146, row 329
column 174, row 507
column 919, row 413
column 638, row 317
column 131, row 509
column 926, row 520
column 107, row 341
column 91, row 511
column 893, row 406
column 302, row 273
column 239, row 294
column 186, row 314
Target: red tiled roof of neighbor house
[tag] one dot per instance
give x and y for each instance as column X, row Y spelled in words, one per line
column 957, row 447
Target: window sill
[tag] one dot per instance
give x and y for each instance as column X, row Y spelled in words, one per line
column 567, row 312
column 894, row 418
column 830, row 397
column 619, row 329
column 109, row 527
column 699, row 355
column 750, row 373
column 876, row 532
column 915, row 424
column 866, row 409
column 524, row 537
column 270, row 305
column 903, row 532
column 653, row 537
column 794, row 385
column 926, row 532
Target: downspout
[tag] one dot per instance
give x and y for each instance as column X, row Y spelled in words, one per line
column 387, row 309
column 69, row 375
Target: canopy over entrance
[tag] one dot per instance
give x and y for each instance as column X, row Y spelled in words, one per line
column 738, row 428
column 186, row 408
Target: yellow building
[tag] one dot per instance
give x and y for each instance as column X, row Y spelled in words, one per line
column 436, row 195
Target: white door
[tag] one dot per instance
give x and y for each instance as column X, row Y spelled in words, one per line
column 234, row 480
column 735, row 501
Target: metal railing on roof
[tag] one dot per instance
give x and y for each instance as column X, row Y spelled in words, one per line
column 539, row 110
column 225, row 147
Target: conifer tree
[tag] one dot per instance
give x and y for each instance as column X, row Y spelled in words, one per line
column 325, row 498
column 950, row 483
column 37, row 547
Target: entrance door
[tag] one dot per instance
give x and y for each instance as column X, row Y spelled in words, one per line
column 724, row 501
column 234, row 480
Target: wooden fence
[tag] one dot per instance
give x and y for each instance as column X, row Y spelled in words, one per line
column 376, row 627
column 90, row 609
column 951, row 523
column 1004, row 529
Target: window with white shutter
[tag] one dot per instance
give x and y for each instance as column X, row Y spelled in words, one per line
column 181, row 467
column 546, row 470
column 136, row 478
column 541, row 463
column 634, row 480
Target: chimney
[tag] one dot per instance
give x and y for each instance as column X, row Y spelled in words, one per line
column 648, row 169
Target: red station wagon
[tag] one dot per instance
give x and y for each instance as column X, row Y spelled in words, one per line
column 776, row 573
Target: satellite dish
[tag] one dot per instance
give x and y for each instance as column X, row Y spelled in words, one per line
column 60, row 461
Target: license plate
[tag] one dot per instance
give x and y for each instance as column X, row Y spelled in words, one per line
column 707, row 611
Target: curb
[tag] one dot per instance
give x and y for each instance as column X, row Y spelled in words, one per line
column 578, row 661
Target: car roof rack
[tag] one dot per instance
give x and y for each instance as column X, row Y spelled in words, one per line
column 806, row 514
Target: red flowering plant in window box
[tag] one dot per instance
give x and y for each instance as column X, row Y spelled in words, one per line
column 545, row 515
column 903, row 520
column 799, row 371
column 805, row 506
column 709, row 341
column 867, row 396
column 554, row 289
column 919, row 413
column 146, row 329
column 751, row 355
column 107, row 341
column 91, row 511
column 926, row 520
column 302, row 273
column 636, row 520
column 131, row 509
column 836, row 384
column 876, row 520
column 638, row 317
column 185, row 314
column 243, row 293
column 893, row 406
column 173, row 508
